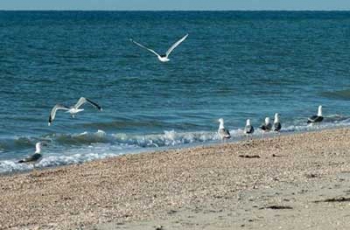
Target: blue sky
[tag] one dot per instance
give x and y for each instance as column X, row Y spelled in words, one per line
column 175, row 4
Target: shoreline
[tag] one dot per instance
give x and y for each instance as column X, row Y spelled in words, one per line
column 236, row 139
column 148, row 188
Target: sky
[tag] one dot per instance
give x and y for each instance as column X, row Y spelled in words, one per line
column 174, row 4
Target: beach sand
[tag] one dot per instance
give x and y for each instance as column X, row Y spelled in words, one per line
column 298, row 181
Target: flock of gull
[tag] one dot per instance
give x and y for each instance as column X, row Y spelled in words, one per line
column 267, row 126
column 223, row 133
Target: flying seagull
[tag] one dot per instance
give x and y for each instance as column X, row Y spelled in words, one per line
column 164, row 57
column 73, row 109
column 248, row 129
column 276, row 123
column 35, row 158
column 316, row 118
column 267, row 126
column 223, row 133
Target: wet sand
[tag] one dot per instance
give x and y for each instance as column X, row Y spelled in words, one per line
column 299, row 181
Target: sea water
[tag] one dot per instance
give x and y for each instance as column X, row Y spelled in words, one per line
column 233, row 65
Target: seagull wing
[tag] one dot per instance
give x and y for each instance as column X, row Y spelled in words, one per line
column 277, row 126
column 224, row 133
column 54, row 110
column 94, row 104
column 83, row 100
column 312, row 118
column 80, row 102
column 248, row 129
column 175, row 45
column 31, row 158
column 142, row 46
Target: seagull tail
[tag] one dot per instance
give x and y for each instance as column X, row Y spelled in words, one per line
column 50, row 120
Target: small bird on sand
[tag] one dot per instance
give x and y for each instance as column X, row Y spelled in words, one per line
column 165, row 57
column 276, row 123
column 35, row 158
column 224, row 134
column 248, row 129
column 316, row 118
column 267, row 126
column 73, row 109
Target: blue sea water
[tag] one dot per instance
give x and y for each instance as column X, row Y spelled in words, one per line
column 234, row 65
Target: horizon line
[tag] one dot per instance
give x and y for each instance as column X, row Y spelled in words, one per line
column 178, row 10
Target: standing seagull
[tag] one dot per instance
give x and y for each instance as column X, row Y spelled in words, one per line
column 276, row 123
column 162, row 58
column 73, row 109
column 35, row 158
column 248, row 129
column 267, row 126
column 316, row 118
column 223, row 133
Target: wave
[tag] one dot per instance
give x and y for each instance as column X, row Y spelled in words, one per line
column 341, row 94
column 147, row 123
column 64, row 149
column 8, row 166
column 84, row 138
column 16, row 144
column 167, row 138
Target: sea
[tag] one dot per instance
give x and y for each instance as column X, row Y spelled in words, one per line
column 234, row 65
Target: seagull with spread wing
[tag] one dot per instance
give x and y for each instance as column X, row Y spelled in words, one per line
column 165, row 57
column 73, row 109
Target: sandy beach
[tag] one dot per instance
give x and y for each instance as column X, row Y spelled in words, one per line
column 298, row 181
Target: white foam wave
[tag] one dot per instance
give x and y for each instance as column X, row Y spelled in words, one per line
column 8, row 166
column 86, row 146
column 168, row 138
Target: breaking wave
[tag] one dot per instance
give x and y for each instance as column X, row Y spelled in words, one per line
column 64, row 149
